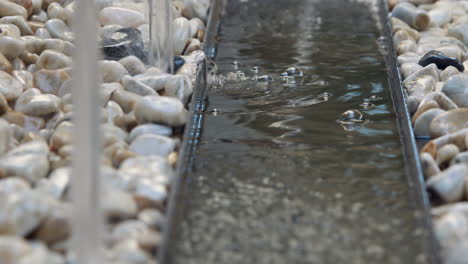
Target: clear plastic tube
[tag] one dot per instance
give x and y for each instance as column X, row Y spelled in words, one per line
column 161, row 23
column 85, row 188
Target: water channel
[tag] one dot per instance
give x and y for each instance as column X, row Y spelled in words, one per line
column 276, row 178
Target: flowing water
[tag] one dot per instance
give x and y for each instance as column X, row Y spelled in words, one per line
column 277, row 179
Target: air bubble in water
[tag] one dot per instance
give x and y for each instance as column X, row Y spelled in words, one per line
column 263, row 78
column 235, row 64
column 367, row 105
column 373, row 98
column 320, row 83
column 293, row 71
column 351, row 116
column 255, row 69
column 325, row 96
column 214, row 112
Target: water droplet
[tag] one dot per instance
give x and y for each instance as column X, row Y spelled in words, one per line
column 351, row 116
column 367, row 105
column 255, row 69
column 263, row 78
column 293, row 71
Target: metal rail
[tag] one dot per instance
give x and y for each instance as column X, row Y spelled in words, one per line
column 410, row 151
column 192, row 134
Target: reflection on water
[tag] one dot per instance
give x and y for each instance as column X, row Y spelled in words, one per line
column 277, row 179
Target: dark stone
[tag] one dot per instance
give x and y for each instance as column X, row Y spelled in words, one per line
column 439, row 59
column 178, row 62
column 122, row 43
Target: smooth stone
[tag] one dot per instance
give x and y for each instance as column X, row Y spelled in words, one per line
column 439, row 16
column 430, row 70
column 154, row 129
column 449, row 184
column 193, row 45
column 24, row 77
column 56, row 226
column 421, row 86
column 127, row 100
column 146, row 168
column 121, row 16
column 10, row 88
column 113, row 110
column 4, row 107
column 429, row 165
column 456, row 88
column 164, row 110
column 106, row 91
column 449, row 122
column 145, row 34
column 58, row 29
column 409, row 68
column 18, row 21
column 13, row 249
column 450, row 229
column 400, row 36
column 122, row 43
column 461, row 157
column 6, row 134
column 130, row 229
column 196, row 8
column 439, row 59
column 20, row 214
column 56, row 184
column 413, row 16
column 443, row 101
column 18, row 64
column 118, row 204
column 108, row 30
column 406, row 46
column 12, row 9
column 451, row 51
column 51, row 81
column 43, row 33
column 111, row 71
column 39, row 16
column 39, row 105
column 181, row 35
column 409, row 57
column 55, row 10
column 422, row 124
column 5, row 64
column 133, row 65
column 398, row 25
column 179, row 86
column 152, row 144
column 11, row 48
column 152, row 218
column 156, row 82
column 195, row 24
column 133, row 85
column 53, row 60
column 10, row 30
column 128, row 251
column 150, row 194
column 446, row 153
column 27, row 4
column 459, row 30
column 62, row 135
column 448, row 72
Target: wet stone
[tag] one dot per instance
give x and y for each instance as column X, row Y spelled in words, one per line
column 122, row 43
column 439, row 59
column 293, row 71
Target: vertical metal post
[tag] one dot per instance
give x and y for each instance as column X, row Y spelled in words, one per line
column 87, row 218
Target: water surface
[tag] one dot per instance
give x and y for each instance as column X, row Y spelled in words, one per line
column 276, row 178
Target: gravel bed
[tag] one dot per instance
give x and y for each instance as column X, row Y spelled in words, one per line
column 431, row 39
column 143, row 110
